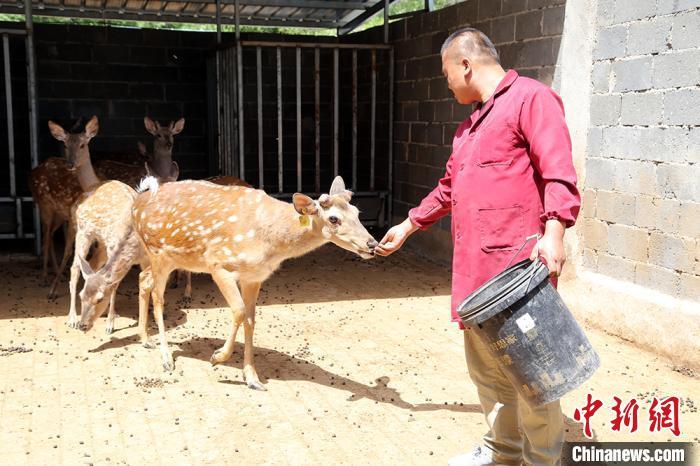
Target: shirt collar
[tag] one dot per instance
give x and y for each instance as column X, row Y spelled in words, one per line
column 508, row 79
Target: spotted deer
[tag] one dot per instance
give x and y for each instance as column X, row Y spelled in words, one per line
column 104, row 217
column 160, row 163
column 240, row 236
column 58, row 182
column 224, row 180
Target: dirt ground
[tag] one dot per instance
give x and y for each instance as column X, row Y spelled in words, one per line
column 361, row 363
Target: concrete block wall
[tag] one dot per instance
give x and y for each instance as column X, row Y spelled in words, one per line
column 527, row 34
column 641, row 210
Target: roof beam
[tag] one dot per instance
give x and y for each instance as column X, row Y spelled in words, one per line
column 369, row 12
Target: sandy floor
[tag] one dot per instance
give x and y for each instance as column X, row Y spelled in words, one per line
column 361, row 364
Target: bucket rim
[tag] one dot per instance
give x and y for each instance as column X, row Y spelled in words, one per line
column 529, row 268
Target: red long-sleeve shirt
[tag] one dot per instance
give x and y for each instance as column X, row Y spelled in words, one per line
column 510, row 171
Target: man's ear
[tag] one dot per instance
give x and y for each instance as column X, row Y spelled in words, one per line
column 304, row 204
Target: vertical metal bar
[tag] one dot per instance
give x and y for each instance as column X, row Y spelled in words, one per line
column 219, row 113
column 386, row 21
column 231, row 108
column 317, row 116
column 218, row 22
column 239, row 96
column 390, row 176
column 336, row 102
column 33, row 132
column 354, row 119
column 258, row 52
column 298, row 52
column 10, row 130
column 223, row 127
column 373, row 119
column 280, row 162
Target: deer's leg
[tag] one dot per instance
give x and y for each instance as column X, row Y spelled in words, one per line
column 112, row 314
column 160, row 279
column 46, row 248
column 145, row 289
column 81, row 249
column 53, row 226
column 67, row 250
column 188, row 286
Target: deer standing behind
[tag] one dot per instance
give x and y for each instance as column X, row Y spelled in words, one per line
column 159, row 163
column 240, row 236
column 58, row 182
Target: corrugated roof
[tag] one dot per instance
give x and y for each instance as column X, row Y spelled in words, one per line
column 344, row 15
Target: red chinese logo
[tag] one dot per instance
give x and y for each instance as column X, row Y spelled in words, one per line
column 588, row 411
column 626, row 416
column 666, row 417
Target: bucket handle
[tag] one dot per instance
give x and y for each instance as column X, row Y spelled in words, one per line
column 536, row 236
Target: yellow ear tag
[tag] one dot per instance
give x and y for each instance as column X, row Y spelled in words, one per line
column 303, row 218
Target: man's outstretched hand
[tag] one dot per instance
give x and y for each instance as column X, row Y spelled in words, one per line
column 395, row 237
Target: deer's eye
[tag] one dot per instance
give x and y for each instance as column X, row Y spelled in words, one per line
column 334, row 220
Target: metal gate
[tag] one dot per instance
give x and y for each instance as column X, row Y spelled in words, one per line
column 259, row 88
column 14, row 207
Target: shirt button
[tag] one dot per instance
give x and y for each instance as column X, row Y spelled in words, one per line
column 461, row 167
column 454, row 201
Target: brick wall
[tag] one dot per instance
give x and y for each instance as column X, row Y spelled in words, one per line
column 527, row 34
column 641, row 216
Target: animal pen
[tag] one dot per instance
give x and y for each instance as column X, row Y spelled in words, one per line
column 285, row 113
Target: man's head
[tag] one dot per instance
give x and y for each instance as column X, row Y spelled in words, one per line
column 465, row 53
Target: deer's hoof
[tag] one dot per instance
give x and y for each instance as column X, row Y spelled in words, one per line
column 72, row 322
column 109, row 329
column 256, row 385
column 218, row 357
column 168, row 366
column 147, row 344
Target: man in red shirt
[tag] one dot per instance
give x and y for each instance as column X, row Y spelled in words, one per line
column 510, row 176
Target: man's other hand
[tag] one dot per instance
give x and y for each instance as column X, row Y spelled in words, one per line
column 551, row 247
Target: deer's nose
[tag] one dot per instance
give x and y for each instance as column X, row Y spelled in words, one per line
column 371, row 244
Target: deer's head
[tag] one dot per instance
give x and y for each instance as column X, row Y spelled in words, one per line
column 337, row 220
column 94, row 297
column 163, row 135
column 76, row 145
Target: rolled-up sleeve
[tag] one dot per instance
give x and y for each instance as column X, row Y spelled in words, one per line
column 544, row 127
column 436, row 204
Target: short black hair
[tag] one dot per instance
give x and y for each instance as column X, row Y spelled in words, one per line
column 474, row 42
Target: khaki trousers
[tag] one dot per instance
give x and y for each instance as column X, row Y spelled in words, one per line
column 507, row 416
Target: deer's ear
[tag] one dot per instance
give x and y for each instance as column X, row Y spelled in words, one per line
column 304, row 204
column 177, row 127
column 174, row 171
column 151, row 126
column 85, row 267
column 92, row 127
column 57, row 131
column 338, row 186
column 142, row 149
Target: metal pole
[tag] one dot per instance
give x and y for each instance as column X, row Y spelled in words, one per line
column 386, row 21
column 373, row 120
column 317, row 116
column 10, row 131
column 280, row 162
column 260, row 117
column 390, row 177
column 298, row 53
column 239, row 97
column 33, row 133
column 336, row 99
column 354, row 120
column 314, row 45
column 218, row 22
